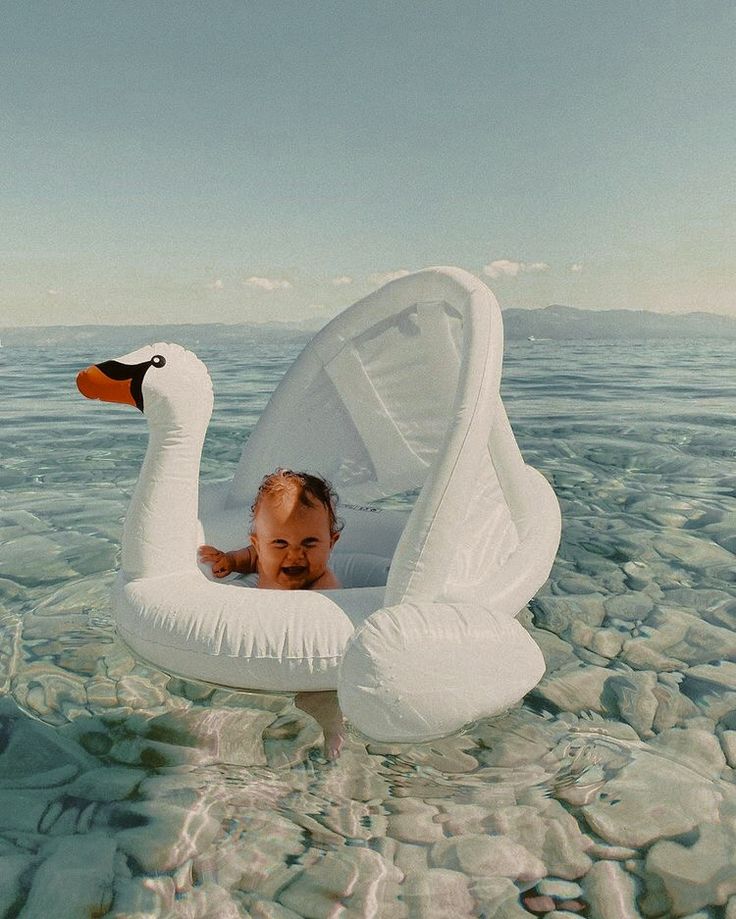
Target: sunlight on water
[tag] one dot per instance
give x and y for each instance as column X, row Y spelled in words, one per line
column 608, row 793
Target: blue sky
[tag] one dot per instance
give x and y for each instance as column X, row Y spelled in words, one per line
column 180, row 161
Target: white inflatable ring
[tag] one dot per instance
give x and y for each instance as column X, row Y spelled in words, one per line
column 398, row 393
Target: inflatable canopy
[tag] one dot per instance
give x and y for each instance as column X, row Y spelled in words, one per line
column 398, row 395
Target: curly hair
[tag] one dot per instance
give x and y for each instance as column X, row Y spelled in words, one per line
column 311, row 490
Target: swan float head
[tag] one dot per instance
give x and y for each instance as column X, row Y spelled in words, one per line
column 172, row 387
column 169, row 384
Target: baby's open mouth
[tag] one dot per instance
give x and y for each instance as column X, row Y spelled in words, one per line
column 294, row 570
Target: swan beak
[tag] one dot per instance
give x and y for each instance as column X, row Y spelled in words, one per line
column 93, row 383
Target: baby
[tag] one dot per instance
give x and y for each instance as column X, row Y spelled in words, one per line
column 294, row 528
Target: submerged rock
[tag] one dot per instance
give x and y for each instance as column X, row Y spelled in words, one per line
column 610, row 892
column 357, row 879
column 694, row 747
column 514, row 741
column 13, row 867
column 15, row 553
column 407, row 857
column 259, row 908
column 33, row 754
column 649, row 799
column 641, row 655
column 631, row 606
column 574, row 584
column 603, row 852
column 220, row 735
column 487, row 856
column 448, row 755
column 108, row 783
column 355, row 820
column 261, row 858
column 698, row 875
column 144, row 896
column 546, row 830
column 498, row 897
column 673, row 708
column 557, row 652
column 635, row 699
column 680, row 637
column 51, row 693
column 101, row 693
column 576, row 688
column 728, row 743
column 720, row 675
column 557, row 614
column 564, row 851
column 716, row 705
column 354, row 777
column 10, row 647
column 76, row 879
column 438, row 893
column 161, row 836
column 459, row 819
column 607, row 642
column 413, row 821
column 559, row 889
column 135, row 692
column 691, row 551
column 538, row 903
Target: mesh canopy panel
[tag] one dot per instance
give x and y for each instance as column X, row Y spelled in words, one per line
column 369, row 413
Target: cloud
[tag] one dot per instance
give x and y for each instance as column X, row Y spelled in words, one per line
column 267, row 283
column 342, row 280
column 386, row 276
column 52, row 292
column 507, row 268
column 576, row 267
column 502, row 267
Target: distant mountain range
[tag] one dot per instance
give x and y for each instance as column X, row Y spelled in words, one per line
column 122, row 338
column 568, row 323
column 559, row 323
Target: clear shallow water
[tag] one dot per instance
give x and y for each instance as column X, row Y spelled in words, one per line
column 608, row 793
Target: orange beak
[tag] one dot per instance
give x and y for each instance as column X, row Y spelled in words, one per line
column 94, row 384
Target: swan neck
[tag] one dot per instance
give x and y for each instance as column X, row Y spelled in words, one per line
column 161, row 529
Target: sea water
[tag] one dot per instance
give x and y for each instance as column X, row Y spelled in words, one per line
column 609, row 792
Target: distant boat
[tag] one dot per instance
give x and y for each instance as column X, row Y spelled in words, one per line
column 532, row 338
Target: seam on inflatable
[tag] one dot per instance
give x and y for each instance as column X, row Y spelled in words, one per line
column 261, row 657
column 448, row 479
column 511, row 552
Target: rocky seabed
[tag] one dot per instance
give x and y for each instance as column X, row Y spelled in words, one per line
column 609, row 793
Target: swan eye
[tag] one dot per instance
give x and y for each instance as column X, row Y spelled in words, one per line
column 158, row 360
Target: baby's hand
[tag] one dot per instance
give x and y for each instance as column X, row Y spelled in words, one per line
column 221, row 562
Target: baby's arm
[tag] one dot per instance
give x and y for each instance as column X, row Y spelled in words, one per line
column 243, row 560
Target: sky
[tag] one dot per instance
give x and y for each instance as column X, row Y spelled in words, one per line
column 271, row 160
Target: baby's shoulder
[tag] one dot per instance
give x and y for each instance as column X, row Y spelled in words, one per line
column 326, row 581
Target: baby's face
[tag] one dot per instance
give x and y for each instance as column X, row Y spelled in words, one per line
column 293, row 542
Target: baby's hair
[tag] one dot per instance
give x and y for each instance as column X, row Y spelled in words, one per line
column 311, row 489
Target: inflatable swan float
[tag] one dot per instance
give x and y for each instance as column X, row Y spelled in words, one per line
column 399, row 393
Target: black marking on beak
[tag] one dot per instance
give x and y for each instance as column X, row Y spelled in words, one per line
column 115, row 370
